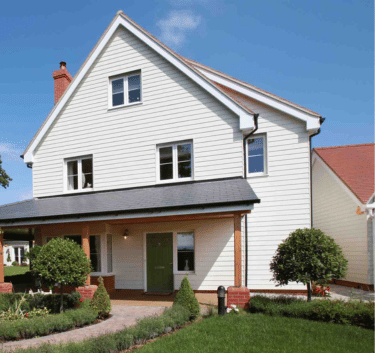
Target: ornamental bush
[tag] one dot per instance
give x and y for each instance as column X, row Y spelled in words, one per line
column 101, row 301
column 308, row 255
column 186, row 298
column 61, row 261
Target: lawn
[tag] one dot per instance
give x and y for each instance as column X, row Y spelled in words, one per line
column 15, row 270
column 264, row 334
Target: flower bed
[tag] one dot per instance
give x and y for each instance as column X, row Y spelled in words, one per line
column 349, row 313
column 37, row 325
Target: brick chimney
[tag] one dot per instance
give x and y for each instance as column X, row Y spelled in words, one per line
column 62, row 79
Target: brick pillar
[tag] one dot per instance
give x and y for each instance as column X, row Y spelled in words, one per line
column 1, row 256
column 238, row 296
column 86, row 246
column 38, row 236
column 237, row 250
column 4, row 287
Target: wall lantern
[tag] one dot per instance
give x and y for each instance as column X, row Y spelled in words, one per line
column 126, row 233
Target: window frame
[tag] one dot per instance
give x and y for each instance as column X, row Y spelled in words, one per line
column 79, row 169
column 126, row 89
column 265, row 159
column 175, row 252
column 174, row 146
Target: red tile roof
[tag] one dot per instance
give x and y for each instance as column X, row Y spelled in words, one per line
column 354, row 165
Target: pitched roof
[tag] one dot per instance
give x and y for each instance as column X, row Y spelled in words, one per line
column 122, row 203
column 354, row 165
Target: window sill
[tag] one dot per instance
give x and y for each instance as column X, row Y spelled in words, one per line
column 173, row 181
column 184, row 273
column 257, row 176
column 101, row 274
column 81, row 191
column 124, row 106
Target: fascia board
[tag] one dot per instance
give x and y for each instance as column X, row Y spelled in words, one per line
column 208, row 86
column 312, row 122
column 194, row 211
column 316, row 158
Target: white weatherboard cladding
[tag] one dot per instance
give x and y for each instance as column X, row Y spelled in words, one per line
column 123, row 141
column 335, row 214
column 284, row 193
column 214, row 253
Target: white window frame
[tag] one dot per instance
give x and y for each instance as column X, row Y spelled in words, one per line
column 126, row 89
column 79, row 167
column 265, row 171
column 175, row 253
column 175, row 178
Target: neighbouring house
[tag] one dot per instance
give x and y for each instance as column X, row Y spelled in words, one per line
column 161, row 167
column 14, row 251
column 343, row 206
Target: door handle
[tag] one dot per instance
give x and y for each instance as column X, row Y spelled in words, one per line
column 159, row 267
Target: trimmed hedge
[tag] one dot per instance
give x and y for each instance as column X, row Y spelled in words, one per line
column 354, row 313
column 41, row 326
column 50, row 301
column 145, row 329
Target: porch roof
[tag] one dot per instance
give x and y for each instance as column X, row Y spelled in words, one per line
column 161, row 200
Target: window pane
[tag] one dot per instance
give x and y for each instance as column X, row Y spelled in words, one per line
column 117, row 86
column 72, row 168
column 109, row 253
column 255, row 146
column 134, row 82
column 185, row 252
column 135, row 96
column 184, row 152
column 87, row 179
column 118, row 99
column 165, row 155
column 75, row 238
column 73, row 182
column 95, row 253
column 166, row 171
column 184, row 169
column 256, row 164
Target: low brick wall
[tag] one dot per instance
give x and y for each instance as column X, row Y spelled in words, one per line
column 109, row 282
column 239, row 296
column 87, row 292
column 6, row 287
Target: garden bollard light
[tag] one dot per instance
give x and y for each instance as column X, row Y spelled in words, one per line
column 221, row 300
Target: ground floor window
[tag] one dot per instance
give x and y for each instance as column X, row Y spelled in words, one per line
column 185, row 252
column 95, row 253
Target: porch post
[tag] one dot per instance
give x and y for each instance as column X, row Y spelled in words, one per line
column 1, row 256
column 86, row 246
column 237, row 250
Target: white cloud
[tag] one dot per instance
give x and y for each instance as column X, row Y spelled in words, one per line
column 175, row 27
column 10, row 152
column 27, row 195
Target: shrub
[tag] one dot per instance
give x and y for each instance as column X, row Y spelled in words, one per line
column 349, row 313
column 101, row 301
column 186, row 298
column 14, row 263
column 308, row 255
column 62, row 261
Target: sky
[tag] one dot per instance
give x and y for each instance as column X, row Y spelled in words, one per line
column 319, row 54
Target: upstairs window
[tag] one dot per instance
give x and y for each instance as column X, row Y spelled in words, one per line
column 256, row 156
column 125, row 90
column 175, row 162
column 79, row 174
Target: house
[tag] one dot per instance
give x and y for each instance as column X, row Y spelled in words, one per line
column 161, row 167
column 343, row 206
column 14, row 251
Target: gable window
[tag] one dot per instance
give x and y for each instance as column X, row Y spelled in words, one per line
column 79, row 173
column 175, row 162
column 185, row 252
column 256, row 156
column 125, row 90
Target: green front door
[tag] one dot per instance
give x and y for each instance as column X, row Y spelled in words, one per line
column 159, row 262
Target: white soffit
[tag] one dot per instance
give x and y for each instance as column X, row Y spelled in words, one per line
column 246, row 118
column 312, row 122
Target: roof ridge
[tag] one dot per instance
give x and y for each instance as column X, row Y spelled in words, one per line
column 14, row 203
column 344, row 146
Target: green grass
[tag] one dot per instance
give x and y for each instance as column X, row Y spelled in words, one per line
column 264, row 334
column 15, row 270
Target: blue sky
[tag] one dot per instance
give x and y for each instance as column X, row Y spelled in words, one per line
column 319, row 54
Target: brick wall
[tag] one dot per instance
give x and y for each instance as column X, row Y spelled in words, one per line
column 239, row 296
column 6, row 287
column 109, row 282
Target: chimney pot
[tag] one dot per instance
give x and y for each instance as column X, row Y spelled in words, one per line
column 62, row 65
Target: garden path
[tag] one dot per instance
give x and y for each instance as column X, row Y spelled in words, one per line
column 122, row 316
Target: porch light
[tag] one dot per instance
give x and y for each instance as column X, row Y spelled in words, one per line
column 126, row 233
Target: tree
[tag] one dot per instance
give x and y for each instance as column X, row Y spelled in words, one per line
column 186, row 298
column 101, row 301
column 4, row 177
column 61, row 261
column 308, row 255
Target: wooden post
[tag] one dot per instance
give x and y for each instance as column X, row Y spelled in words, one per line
column 1, row 256
column 86, row 246
column 237, row 250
